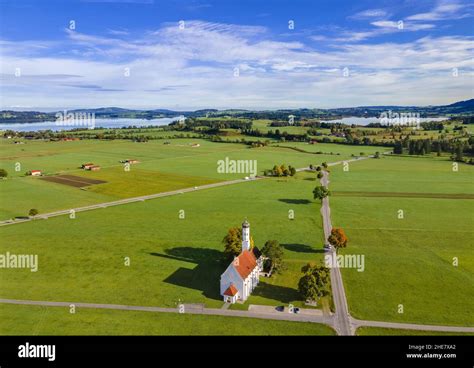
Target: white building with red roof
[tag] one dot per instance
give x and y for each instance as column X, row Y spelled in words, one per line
column 242, row 275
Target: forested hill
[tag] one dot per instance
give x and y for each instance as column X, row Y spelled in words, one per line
column 463, row 108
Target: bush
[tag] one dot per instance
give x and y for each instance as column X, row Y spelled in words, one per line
column 33, row 212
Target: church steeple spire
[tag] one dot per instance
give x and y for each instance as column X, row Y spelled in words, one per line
column 245, row 235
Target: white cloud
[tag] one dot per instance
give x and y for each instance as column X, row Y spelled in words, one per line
column 444, row 10
column 370, row 13
column 193, row 68
column 402, row 25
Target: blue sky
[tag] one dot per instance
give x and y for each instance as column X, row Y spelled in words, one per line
column 234, row 54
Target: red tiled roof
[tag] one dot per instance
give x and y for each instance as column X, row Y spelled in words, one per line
column 231, row 290
column 35, row 170
column 245, row 263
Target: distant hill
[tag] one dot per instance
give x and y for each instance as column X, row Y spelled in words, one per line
column 455, row 108
column 105, row 110
column 460, row 108
column 468, row 104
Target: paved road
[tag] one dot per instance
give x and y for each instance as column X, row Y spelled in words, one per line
column 136, row 199
column 410, row 326
column 342, row 322
column 127, row 200
column 341, row 318
column 258, row 313
column 132, row 200
column 188, row 309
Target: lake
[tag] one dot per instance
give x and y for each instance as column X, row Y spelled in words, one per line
column 119, row 123
column 365, row 121
column 103, row 123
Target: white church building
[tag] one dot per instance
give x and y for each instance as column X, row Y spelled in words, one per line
column 242, row 275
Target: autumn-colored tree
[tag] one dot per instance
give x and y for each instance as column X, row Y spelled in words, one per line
column 233, row 243
column 277, row 171
column 282, row 170
column 338, row 238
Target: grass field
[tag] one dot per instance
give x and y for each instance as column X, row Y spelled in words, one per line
column 345, row 151
column 162, row 168
column 82, row 259
column 138, row 182
column 34, row 320
column 408, row 261
column 376, row 331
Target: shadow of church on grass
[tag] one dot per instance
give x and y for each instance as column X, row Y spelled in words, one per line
column 302, row 248
column 281, row 294
column 204, row 277
column 295, row 201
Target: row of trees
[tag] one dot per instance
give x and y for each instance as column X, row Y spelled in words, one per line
column 315, row 281
column 457, row 148
column 281, row 170
column 197, row 124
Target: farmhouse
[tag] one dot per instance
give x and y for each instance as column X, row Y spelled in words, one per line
column 94, row 168
column 87, row 166
column 69, row 139
column 242, row 275
column 132, row 161
column 35, row 172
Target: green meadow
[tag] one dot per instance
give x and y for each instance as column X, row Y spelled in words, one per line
column 171, row 259
column 376, row 331
column 408, row 261
column 344, row 151
column 423, row 262
column 162, row 167
column 34, row 320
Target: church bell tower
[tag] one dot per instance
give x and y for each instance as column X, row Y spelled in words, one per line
column 245, row 235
